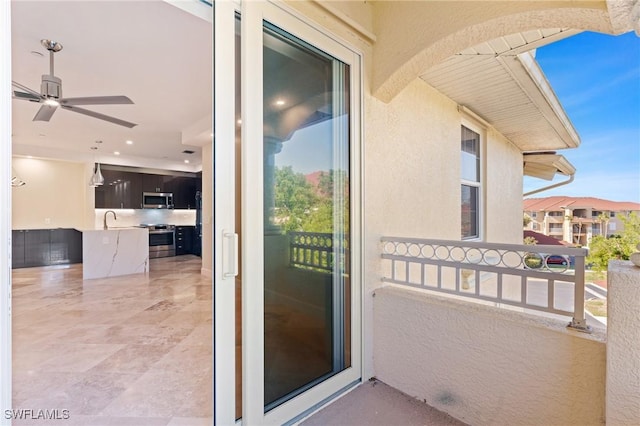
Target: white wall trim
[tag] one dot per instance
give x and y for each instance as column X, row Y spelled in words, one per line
column 5, row 215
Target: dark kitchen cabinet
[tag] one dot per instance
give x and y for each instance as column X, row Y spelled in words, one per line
column 156, row 183
column 43, row 247
column 123, row 187
column 36, row 247
column 184, row 192
column 65, row 246
column 184, row 239
column 121, row 190
column 17, row 248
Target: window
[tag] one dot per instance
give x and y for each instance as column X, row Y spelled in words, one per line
column 470, row 183
column 556, row 214
column 555, row 227
column 534, row 214
column 612, row 214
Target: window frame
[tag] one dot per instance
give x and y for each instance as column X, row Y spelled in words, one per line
column 480, row 219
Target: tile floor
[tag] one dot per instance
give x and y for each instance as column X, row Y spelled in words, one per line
column 130, row 350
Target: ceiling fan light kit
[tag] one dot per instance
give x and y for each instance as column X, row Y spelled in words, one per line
column 50, row 95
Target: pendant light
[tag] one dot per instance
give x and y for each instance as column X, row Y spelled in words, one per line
column 96, row 178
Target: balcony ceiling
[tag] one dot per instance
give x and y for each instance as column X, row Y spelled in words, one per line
column 501, row 82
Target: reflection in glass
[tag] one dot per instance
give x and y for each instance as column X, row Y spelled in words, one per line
column 306, row 216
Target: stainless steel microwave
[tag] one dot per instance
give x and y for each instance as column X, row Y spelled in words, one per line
column 157, row 200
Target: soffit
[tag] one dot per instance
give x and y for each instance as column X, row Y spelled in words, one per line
column 500, row 81
column 546, row 165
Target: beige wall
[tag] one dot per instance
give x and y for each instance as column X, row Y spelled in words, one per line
column 623, row 344
column 503, row 190
column 488, row 366
column 56, row 194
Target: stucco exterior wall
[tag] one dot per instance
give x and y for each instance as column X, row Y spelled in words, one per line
column 503, row 190
column 623, row 344
column 488, row 366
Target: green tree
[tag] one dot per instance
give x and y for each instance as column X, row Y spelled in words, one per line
column 603, row 219
column 295, row 199
column 603, row 249
column 526, row 220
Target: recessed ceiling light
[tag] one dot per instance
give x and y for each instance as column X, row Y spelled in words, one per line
column 116, row 152
column 280, row 102
column 186, row 161
column 129, row 142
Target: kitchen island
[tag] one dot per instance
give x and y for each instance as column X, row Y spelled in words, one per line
column 114, row 251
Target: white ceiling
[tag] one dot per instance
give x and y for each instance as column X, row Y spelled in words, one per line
column 151, row 51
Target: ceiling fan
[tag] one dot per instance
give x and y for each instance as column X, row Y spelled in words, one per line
column 51, row 95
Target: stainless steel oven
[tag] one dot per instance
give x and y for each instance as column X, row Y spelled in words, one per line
column 162, row 240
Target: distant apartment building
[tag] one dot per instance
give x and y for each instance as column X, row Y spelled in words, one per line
column 577, row 219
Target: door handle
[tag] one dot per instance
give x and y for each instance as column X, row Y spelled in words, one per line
column 229, row 254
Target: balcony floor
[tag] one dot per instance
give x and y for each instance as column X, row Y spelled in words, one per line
column 375, row 403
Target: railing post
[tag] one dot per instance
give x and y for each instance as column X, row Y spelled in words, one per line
column 579, row 320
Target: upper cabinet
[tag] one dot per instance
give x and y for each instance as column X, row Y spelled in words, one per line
column 184, row 192
column 156, row 183
column 123, row 189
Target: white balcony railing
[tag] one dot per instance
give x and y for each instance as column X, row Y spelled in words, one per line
column 536, row 277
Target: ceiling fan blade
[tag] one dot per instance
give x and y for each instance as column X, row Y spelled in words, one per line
column 97, row 100
column 45, row 112
column 99, row 116
column 25, row 88
column 26, row 96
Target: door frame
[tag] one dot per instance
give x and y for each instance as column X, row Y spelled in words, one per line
column 5, row 216
column 225, row 250
column 252, row 16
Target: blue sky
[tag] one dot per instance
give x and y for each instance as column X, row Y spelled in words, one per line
column 597, row 79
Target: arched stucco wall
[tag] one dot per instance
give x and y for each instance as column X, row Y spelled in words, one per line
column 413, row 36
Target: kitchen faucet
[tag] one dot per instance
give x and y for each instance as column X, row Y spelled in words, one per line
column 105, row 218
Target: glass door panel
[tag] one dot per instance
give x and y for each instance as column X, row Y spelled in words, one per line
column 306, row 215
column 300, row 123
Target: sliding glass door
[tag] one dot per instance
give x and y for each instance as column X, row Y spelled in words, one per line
column 286, row 138
column 300, row 133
